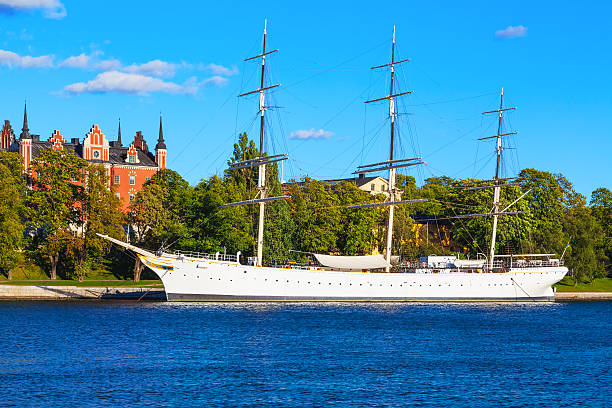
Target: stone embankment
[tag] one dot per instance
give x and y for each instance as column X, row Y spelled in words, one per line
column 18, row 292
column 582, row 296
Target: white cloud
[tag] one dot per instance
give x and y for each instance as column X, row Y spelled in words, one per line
column 156, row 68
column 107, row 65
column 51, row 8
column 122, row 82
column 215, row 80
column 85, row 61
column 311, row 134
column 217, row 69
column 13, row 59
column 79, row 61
column 511, row 32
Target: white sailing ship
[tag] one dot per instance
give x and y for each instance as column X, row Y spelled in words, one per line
column 189, row 276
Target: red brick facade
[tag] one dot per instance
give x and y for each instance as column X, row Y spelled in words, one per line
column 128, row 167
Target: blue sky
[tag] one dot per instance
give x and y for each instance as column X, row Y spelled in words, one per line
column 79, row 63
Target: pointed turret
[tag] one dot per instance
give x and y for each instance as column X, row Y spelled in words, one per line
column 25, row 132
column 160, row 140
column 119, row 134
column 160, row 147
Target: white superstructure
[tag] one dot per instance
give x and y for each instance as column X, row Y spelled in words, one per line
column 195, row 277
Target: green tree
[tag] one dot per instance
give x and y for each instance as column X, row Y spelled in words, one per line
column 316, row 214
column 159, row 213
column 601, row 207
column 57, row 190
column 101, row 214
column 12, row 211
column 360, row 229
column 585, row 255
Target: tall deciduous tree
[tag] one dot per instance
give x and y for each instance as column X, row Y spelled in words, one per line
column 601, row 207
column 160, row 213
column 12, row 210
column 57, row 189
column 585, row 254
column 101, row 214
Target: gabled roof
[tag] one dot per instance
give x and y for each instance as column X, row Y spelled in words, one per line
column 359, row 181
column 117, row 155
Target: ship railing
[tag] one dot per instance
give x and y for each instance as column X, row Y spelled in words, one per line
column 213, row 257
column 504, row 264
column 499, row 265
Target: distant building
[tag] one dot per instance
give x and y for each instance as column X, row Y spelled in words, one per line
column 129, row 167
column 372, row 185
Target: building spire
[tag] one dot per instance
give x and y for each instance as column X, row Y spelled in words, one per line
column 25, row 132
column 119, row 134
column 160, row 139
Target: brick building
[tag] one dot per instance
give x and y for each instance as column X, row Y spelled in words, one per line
column 129, row 167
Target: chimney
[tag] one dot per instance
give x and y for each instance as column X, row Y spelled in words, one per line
column 74, row 140
column 361, row 175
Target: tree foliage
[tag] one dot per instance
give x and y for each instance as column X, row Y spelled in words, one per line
column 70, row 201
column 12, row 211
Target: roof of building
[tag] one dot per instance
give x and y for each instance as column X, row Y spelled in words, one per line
column 116, row 155
column 359, row 181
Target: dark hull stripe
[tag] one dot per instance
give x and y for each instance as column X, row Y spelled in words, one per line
column 182, row 297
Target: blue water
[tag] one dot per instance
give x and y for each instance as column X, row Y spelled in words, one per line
column 310, row 355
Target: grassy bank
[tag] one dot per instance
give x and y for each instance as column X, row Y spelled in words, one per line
column 598, row 285
column 87, row 283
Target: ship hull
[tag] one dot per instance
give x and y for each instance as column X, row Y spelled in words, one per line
column 217, row 281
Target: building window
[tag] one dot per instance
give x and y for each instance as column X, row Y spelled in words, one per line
column 147, row 178
column 96, row 154
column 118, row 195
column 132, row 180
column 132, row 158
column 117, row 179
column 382, row 187
column 131, row 197
column 372, row 187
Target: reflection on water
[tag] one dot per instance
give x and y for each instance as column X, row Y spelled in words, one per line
column 309, row 354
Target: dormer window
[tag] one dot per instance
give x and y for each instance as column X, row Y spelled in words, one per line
column 132, row 158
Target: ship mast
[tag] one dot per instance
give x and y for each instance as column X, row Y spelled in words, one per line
column 392, row 192
column 496, row 180
column 262, row 160
column 391, row 164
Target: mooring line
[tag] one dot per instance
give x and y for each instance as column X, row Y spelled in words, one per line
column 530, row 297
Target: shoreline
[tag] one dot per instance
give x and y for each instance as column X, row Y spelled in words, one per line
column 68, row 292
column 582, row 296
